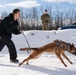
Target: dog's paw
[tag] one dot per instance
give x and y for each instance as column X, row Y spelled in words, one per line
column 65, row 65
column 27, row 63
column 71, row 63
column 20, row 64
column 21, row 49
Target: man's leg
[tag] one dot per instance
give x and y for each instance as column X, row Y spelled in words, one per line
column 11, row 47
column 1, row 45
column 46, row 27
column 43, row 27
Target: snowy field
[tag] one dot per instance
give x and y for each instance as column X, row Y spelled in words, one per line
column 47, row 64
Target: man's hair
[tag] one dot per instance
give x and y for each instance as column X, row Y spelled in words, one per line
column 15, row 11
column 46, row 10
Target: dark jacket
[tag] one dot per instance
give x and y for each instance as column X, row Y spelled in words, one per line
column 8, row 26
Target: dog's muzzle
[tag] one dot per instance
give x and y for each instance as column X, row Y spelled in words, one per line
column 74, row 53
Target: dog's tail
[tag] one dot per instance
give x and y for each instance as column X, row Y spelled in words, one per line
column 25, row 49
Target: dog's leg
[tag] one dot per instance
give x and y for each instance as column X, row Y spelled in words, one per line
column 22, row 62
column 26, row 60
column 58, row 55
column 66, row 58
column 32, row 56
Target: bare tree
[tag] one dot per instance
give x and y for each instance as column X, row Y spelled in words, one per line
column 71, row 13
column 74, row 21
column 57, row 18
column 41, row 9
column 4, row 14
column 51, row 17
column 21, row 13
column 35, row 16
column 61, row 19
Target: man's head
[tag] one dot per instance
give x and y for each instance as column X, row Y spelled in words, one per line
column 45, row 12
column 16, row 14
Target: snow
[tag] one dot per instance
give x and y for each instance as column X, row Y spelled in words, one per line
column 46, row 64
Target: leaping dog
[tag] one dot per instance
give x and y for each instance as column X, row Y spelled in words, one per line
column 57, row 47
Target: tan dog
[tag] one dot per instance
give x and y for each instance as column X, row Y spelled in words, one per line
column 57, row 47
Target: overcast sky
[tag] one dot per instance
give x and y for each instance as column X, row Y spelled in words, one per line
column 9, row 5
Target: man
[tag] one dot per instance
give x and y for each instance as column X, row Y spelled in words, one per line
column 8, row 26
column 45, row 20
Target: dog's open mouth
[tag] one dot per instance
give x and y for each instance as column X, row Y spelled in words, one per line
column 74, row 53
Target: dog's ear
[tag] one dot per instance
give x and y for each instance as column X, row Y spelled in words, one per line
column 72, row 44
column 55, row 40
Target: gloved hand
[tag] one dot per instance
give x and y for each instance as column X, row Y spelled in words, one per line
column 21, row 31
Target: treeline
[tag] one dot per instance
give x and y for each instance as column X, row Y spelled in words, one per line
column 30, row 18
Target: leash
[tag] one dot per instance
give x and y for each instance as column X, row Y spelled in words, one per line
column 28, row 51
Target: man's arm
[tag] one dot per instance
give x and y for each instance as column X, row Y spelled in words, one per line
column 5, row 22
column 17, row 31
column 48, row 18
column 42, row 17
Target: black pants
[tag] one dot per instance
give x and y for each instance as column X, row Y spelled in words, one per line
column 4, row 40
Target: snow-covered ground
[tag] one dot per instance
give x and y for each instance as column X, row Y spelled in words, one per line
column 47, row 64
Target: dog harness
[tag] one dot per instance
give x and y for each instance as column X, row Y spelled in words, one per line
column 59, row 44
